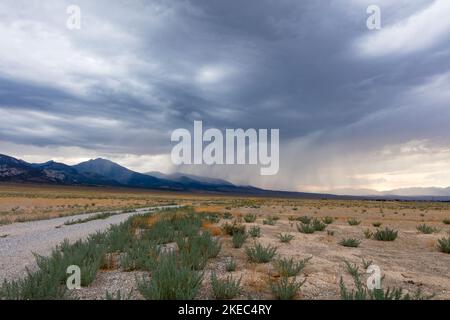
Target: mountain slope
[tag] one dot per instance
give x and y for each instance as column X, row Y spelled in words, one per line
column 182, row 182
column 14, row 170
column 184, row 177
column 125, row 176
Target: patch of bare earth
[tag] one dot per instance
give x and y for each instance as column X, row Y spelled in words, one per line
column 112, row 281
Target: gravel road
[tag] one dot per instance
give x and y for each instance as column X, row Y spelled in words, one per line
column 18, row 241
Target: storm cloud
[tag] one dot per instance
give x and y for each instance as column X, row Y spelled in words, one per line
column 356, row 108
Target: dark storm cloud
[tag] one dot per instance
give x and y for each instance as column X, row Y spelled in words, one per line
column 139, row 69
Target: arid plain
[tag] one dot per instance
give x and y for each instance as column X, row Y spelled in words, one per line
column 346, row 236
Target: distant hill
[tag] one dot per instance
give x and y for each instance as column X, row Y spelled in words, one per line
column 184, row 177
column 401, row 192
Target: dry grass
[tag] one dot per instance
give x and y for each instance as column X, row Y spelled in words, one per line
column 145, row 222
column 28, row 203
column 211, row 228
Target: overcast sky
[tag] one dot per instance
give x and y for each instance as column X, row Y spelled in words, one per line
column 356, row 108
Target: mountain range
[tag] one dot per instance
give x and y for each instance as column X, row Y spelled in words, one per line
column 102, row 172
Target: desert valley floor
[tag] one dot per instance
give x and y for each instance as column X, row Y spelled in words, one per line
column 348, row 234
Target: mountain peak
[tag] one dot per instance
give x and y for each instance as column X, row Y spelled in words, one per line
column 101, row 171
column 48, row 163
column 100, row 160
column 99, row 164
column 106, row 168
column 4, row 159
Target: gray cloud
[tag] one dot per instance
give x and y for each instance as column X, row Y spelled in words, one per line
column 139, row 69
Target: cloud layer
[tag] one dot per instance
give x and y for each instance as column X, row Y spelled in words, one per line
column 355, row 108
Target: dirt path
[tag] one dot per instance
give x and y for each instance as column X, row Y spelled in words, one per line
column 19, row 241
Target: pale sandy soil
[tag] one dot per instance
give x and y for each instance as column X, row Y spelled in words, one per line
column 412, row 261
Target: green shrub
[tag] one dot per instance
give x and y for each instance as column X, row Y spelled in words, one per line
column 88, row 255
column 285, row 289
column 211, row 217
column 351, row 269
column 289, row 267
column 163, row 231
column 269, row 221
column 305, row 228
column 117, row 238
column 425, row 229
column 353, row 222
column 212, row 245
column 285, row 238
column 225, row 289
column 318, row 225
column 34, row 286
column 362, row 293
column 304, row 219
column 366, row 264
column 98, row 216
column 255, row 232
column 385, row 235
column 367, row 233
column 260, row 254
column 444, row 245
column 250, row 218
column 142, row 255
column 171, row 280
column 328, row 220
column 117, row 296
column 446, row 221
column 239, row 239
column 230, row 265
column 353, row 243
column 233, row 228
column 227, row 215
column 195, row 250
column 187, row 225
column 193, row 257
column 48, row 282
column 377, row 224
